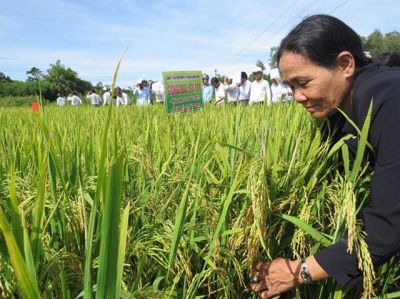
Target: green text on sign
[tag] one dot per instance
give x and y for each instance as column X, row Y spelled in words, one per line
column 183, row 90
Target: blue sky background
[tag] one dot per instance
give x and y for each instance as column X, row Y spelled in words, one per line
column 90, row 36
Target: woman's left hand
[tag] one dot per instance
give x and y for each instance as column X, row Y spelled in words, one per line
column 273, row 278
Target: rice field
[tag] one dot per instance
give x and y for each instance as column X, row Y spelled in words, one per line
column 132, row 202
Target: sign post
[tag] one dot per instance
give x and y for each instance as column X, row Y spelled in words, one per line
column 183, row 91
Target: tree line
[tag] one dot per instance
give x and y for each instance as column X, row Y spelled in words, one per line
column 57, row 79
column 64, row 80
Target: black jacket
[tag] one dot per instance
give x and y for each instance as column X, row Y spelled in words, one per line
column 382, row 217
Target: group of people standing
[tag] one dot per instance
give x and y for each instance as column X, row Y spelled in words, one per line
column 143, row 92
column 239, row 89
column 72, row 98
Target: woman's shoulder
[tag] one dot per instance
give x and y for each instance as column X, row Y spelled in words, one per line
column 377, row 83
column 376, row 78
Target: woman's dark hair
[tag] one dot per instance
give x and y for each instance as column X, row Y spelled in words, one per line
column 244, row 75
column 321, row 38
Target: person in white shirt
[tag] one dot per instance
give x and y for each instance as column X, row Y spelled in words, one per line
column 260, row 91
column 127, row 99
column 281, row 92
column 74, row 99
column 93, row 98
column 60, row 101
column 142, row 94
column 231, row 90
column 157, row 89
column 219, row 91
column 118, row 97
column 106, row 96
column 122, row 98
column 244, row 89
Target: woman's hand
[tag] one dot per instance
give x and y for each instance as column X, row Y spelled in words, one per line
column 280, row 275
column 273, row 278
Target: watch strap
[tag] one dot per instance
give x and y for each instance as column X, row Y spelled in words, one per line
column 305, row 272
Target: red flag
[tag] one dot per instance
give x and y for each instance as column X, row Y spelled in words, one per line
column 35, row 106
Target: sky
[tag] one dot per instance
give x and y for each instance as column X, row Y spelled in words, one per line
column 91, row 36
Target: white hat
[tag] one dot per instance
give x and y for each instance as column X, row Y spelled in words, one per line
column 139, row 81
column 257, row 69
column 275, row 74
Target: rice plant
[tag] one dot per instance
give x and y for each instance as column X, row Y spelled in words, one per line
column 128, row 202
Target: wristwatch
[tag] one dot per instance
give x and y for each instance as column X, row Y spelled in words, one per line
column 304, row 272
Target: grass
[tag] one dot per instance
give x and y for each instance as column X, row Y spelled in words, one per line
column 135, row 203
column 15, row 101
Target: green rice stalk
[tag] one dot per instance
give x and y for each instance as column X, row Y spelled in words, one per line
column 25, row 280
column 123, row 233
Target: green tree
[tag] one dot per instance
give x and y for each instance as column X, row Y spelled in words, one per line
column 260, row 64
column 374, row 43
column 4, row 78
column 99, row 85
column 221, row 77
column 65, row 79
column 377, row 43
column 273, row 57
column 34, row 74
column 392, row 42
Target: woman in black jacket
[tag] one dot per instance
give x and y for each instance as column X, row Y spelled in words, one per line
column 323, row 60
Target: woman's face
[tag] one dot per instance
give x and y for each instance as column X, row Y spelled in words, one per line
column 319, row 89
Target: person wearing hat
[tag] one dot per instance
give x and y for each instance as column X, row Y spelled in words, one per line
column 208, row 90
column 280, row 90
column 259, row 90
column 141, row 93
column 106, row 96
column 60, row 101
